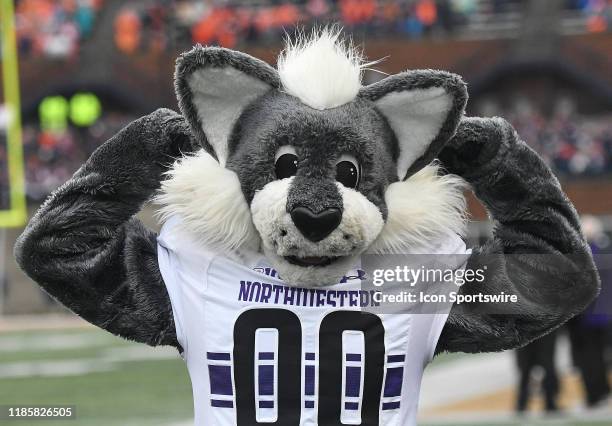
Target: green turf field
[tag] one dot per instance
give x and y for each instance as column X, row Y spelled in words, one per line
column 112, row 382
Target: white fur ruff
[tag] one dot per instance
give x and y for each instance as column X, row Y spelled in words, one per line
column 210, row 202
column 322, row 71
column 421, row 209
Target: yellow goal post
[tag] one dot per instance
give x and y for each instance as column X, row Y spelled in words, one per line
column 16, row 215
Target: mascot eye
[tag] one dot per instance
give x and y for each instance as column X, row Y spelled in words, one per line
column 286, row 162
column 348, row 171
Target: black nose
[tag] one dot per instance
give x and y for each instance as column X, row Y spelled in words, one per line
column 316, row 226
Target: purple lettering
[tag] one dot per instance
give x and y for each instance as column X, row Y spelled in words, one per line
column 277, row 290
column 289, row 296
column 255, row 287
column 244, row 291
column 312, row 296
column 266, row 291
column 364, row 298
column 320, row 298
column 330, row 299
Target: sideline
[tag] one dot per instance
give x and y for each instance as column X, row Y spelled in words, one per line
column 15, row 323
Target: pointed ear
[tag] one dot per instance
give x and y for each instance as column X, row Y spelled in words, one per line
column 214, row 86
column 423, row 108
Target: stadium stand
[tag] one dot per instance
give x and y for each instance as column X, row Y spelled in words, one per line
column 472, row 37
column 570, row 144
column 246, row 22
column 54, row 29
column 52, row 157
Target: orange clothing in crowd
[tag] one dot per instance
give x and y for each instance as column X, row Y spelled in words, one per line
column 286, row 15
column 127, row 31
column 597, row 24
column 227, row 38
column 35, row 9
column 216, row 27
column 264, row 19
column 357, row 11
column 426, row 12
column 281, row 16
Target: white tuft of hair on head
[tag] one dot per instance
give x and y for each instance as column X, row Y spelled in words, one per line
column 322, row 70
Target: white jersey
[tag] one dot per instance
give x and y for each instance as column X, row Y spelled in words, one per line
column 259, row 351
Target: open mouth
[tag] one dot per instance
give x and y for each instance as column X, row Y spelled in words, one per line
column 311, row 261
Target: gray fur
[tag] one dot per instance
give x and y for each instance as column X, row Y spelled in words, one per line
column 85, row 248
column 533, row 217
column 319, row 138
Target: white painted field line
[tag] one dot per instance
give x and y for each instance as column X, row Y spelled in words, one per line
column 51, row 341
column 60, row 321
column 70, row 367
column 139, row 353
column 109, row 359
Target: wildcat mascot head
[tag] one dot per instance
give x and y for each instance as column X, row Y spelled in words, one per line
column 307, row 165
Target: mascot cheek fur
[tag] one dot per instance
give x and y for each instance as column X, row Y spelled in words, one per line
column 301, row 170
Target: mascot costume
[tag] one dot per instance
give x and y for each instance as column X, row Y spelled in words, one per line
column 273, row 183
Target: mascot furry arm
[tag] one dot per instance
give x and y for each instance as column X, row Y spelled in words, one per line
column 537, row 251
column 85, row 248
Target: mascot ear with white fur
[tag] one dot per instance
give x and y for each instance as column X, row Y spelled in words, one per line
column 214, row 86
column 423, row 108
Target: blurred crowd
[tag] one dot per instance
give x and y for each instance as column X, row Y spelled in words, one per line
column 51, row 157
column 570, row 143
column 159, row 24
column 599, row 13
column 54, row 28
column 57, row 28
column 228, row 23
